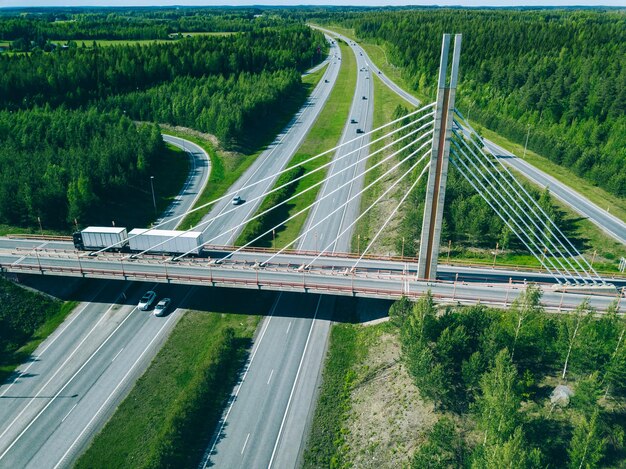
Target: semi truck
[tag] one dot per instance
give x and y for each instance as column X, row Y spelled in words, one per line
column 165, row 241
column 95, row 238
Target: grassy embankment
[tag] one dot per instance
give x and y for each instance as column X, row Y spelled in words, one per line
column 169, row 415
column 324, row 134
column 226, row 166
column 28, row 318
column 589, row 238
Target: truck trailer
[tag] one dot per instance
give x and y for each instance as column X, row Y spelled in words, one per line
column 165, row 241
column 94, row 238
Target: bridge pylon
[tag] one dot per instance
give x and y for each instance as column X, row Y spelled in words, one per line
column 438, row 170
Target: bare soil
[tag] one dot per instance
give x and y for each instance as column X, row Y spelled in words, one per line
column 388, row 419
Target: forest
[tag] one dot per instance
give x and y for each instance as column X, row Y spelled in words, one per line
column 60, row 165
column 40, row 27
column 67, row 141
column 491, row 374
column 556, row 76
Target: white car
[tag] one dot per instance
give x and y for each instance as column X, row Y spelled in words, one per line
column 147, row 301
column 161, row 308
column 236, row 200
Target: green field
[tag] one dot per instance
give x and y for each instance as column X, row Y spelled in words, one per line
column 124, row 42
column 324, row 134
column 169, row 415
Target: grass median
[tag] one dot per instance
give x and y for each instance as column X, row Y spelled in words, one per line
column 324, row 134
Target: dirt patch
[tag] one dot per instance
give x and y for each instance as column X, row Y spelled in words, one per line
column 388, row 418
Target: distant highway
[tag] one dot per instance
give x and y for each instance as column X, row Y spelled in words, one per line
column 76, row 378
column 610, row 224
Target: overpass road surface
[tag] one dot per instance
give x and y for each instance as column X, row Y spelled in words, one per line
column 31, row 435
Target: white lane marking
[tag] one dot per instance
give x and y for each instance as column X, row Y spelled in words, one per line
column 117, row 355
column 68, row 414
column 64, row 386
column 232, row 402
column 288, row 327
column 270, row 378
column 295, row 381
column 68, row 324
column 245, row 443
column 104, row 316
column 156, row 336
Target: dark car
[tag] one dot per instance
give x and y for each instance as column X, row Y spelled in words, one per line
column 364, row 97
column 147, row 301
column 359, row 131
column 353, row 121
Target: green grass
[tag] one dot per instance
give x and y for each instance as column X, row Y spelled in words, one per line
column 54, row 313
column 385, row 102
column 324, row 134
column 144, row 425
column 125, row 42
column 326, row 439
column 597, row 195
column 226, row 168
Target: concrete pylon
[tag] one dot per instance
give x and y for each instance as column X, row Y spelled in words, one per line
column 438, row 171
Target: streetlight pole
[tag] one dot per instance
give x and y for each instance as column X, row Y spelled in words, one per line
column 153, row 198
column 526, row 144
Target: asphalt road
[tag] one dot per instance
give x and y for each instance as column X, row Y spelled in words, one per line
column 63, row 395
column 266, row 168
column 267, row 422
column 608, row 223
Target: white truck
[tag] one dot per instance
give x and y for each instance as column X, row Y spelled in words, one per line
column 94, row 238
column 165, row 241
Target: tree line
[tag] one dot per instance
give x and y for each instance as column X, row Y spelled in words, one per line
column 497, row 368
column 556, row 76
column 76, row 76
column 62, row 165
column 127, row 24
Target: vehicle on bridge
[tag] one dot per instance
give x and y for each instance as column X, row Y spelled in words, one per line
column 94, row 238
column 171, row 242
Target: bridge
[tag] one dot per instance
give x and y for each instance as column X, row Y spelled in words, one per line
column 423, row 141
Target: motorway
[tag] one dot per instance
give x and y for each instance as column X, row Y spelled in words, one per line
column 266, row 168
column 610, row 224
column 266, row 425
column 74, row 380
column 40, row 427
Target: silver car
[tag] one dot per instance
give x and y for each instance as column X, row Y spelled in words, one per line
column 161, row 308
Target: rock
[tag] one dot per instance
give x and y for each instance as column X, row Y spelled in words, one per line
column 561, row 395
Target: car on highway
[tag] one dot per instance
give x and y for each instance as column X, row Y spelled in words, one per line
column 147, row 300
column 359, row 131
column 353, row 121
column 237, row 200
column 364, row 97
column 162, row 306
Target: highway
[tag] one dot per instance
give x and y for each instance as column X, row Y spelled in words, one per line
column 266, row 425
column 266, row 168
column 607, row 222
column 115, row 342
column 64, row 394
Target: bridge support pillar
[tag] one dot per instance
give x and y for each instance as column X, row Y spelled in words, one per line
column 438, row 171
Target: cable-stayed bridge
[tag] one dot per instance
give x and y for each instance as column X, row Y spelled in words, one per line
column 411, row 148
